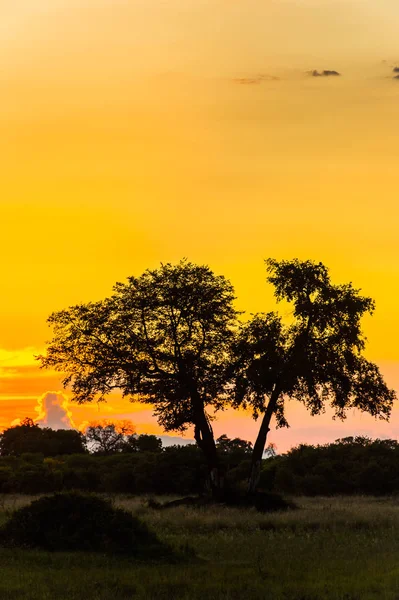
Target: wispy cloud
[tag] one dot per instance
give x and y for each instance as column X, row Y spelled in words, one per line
column 324, row 73
column 13, row 359
column 256, row 80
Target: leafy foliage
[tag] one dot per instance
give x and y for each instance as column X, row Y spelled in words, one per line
column 349, row 466
column 315, row 358
column 30, row 438
column 159, row 337
column 107, row 437
column 354, row 465
column 143, row 443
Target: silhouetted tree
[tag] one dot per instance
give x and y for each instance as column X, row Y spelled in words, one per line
column 142, row 443
column 163, row 337
column 316, row 358
column 107, row 437
column 28, row 437
column 225, row 444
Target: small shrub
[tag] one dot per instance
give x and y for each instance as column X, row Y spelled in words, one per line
column 72, row 521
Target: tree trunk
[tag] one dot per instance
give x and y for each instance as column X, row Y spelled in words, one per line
column 203, row 434
column 260, row 443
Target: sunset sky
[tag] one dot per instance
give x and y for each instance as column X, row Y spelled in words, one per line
column 141, row 131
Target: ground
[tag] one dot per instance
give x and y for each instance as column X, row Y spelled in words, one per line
column 328, row 549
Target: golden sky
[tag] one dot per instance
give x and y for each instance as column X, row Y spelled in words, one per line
column 141, row 131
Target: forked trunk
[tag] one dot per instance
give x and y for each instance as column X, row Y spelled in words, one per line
column 260, row 443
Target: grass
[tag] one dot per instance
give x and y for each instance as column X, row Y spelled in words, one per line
column 328, row 549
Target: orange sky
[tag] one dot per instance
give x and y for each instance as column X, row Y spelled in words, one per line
column 130, row 136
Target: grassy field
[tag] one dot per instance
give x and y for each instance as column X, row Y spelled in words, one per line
column 338, row 549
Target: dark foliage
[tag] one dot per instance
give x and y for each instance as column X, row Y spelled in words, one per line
column 72, row 522
column 349, row 466
column 29, row 437
column 170, row 470
column 142, row 443
column 107, row 437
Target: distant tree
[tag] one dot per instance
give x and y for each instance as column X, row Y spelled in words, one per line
column 270, row 451
column 225, row 444
column 163, row 338
column 107, row 437
column 62, row 441
column 316, row 358
column 143, row 443
column 28, row 437
column 234, row 454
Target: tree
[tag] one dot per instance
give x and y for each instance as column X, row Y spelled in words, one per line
column 143, row 443
column 28, row 437
column 163, row 338
column 227, row 445
column 316, row 358
column 107, row 437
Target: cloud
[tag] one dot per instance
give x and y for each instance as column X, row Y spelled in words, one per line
column 53, row 411
column 255, row 80
column 325, row 73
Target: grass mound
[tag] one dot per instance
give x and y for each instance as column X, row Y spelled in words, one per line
column 72, row 522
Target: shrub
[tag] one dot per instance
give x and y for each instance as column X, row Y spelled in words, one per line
column 72, row 521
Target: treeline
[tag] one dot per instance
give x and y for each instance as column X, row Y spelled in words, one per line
column 99, row 438
column 177, row 470
column 352, row 465
column 109, row 459
column 30, row 464
column 173, row 471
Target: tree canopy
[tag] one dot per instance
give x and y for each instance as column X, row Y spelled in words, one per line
column 107, row 437
column 28, row 437
column 316, row 357
column 163, row 338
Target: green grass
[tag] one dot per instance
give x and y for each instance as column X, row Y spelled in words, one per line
column 329, row 549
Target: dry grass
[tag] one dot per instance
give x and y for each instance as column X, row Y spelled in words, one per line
column 350, row 513
column 327, row 549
